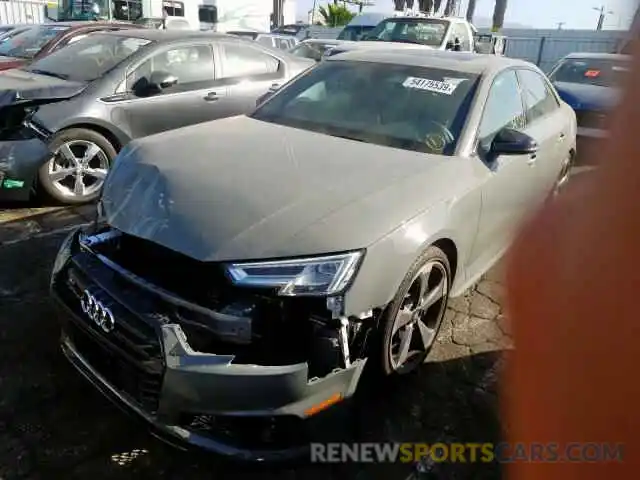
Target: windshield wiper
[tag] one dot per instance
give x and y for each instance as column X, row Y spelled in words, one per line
column 61, row 76
column 347, row 137
column 406, row 40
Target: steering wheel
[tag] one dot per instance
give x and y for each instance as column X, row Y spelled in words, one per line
column 444, row 131
column 438, row 140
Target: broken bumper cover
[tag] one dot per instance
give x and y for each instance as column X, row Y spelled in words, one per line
column 203, row 384
column 19, row 164
column 207, row 387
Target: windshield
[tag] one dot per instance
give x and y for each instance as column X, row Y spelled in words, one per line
column 600, row 72
column 355, row 32
column 425, row 31
column 251, row 35
column 28, row 44
column 288, row 29
column 412, row 108
column 89, row 58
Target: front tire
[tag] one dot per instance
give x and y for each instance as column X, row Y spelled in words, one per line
column 412, row 320
column 76, row 172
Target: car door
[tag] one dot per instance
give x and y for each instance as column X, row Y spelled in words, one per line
column 249, row 72
column 510, row 184
column 193, row 99
column 547, row 123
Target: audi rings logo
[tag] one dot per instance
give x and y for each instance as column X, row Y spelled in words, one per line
column 97, row 312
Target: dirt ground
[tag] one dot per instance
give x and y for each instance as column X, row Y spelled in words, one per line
column 54, row 425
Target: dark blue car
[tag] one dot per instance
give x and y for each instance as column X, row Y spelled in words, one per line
column 590, row 84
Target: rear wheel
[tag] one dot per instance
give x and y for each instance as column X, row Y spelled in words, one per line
column 76, row 172
column 413, row 318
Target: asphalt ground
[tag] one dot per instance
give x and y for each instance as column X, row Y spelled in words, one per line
column 53, row 425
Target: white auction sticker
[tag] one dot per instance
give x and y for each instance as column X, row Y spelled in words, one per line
column 430, row 85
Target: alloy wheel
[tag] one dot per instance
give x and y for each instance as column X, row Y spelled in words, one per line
column 78, row 169
column 419, row 317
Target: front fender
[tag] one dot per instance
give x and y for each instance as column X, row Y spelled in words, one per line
column 388, row 260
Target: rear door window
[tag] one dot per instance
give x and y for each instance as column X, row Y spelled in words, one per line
column 240, row 61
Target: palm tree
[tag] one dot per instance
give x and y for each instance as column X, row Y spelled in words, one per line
column 449, row 8
column 335, row 15
column 499, row 11
column 428, row 6
column 471, row 10
column 425, row 5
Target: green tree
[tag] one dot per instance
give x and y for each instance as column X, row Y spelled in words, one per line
column 499, row 11
column 335, row 15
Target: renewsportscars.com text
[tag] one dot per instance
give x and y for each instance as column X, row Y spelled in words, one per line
column 466, row 452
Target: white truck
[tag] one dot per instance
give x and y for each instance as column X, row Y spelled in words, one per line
column 236, row 15
column 416, row 31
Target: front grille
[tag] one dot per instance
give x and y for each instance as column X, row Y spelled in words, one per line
column 130, row 357
column 591, row 119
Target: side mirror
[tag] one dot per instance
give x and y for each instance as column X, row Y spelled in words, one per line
column 155, row 83
column 454, row 45
column 162, row 80
column 513, row 142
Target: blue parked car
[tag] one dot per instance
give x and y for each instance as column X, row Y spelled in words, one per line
column 590, row 84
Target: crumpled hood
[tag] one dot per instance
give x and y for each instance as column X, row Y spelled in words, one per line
column 348, row 46
column 588, row 97
column 21, row 87
column 240, row 188
column 7, row 63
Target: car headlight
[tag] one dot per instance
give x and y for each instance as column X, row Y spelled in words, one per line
column 316, row 276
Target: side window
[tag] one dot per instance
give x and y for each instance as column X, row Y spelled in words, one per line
column 538, row 97
column 243, row 61
column 504, row 108
column 192, row 65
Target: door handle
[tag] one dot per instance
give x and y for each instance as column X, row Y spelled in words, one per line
column 532, row 159
column 561, row 137
column 212, row 97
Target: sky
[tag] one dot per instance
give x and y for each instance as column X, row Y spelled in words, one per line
column 536, row 13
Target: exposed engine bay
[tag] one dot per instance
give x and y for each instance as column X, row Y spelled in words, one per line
column 254, row 325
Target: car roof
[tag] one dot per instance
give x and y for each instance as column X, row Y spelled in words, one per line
column 166, row 35
column 599, row 56
column 474, row 63
column 326, row 41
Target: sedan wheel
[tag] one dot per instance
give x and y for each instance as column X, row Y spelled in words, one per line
column 417, row 314
column 79, row 166
column 78, row 169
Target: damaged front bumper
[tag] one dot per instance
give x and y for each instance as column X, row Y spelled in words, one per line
column 250, row 412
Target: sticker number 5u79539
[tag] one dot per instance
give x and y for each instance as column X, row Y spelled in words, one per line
column 430, row 85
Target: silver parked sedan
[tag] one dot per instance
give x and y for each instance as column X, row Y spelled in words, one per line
column 275, row 255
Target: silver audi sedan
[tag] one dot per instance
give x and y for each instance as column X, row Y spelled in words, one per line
column 251, row 267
